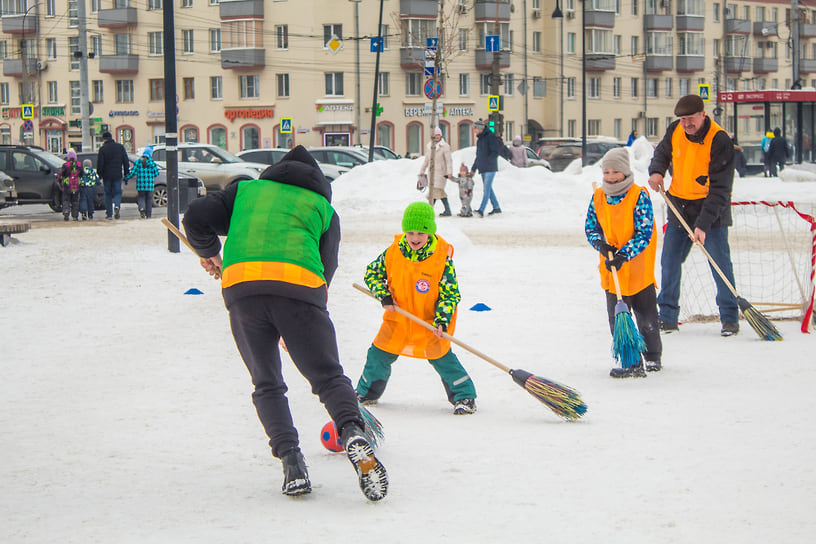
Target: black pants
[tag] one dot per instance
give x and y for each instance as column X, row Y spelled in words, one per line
column 257, row 324
column 644, row 307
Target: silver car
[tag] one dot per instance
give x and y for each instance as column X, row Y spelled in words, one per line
column 216, row 167
column 274, row 154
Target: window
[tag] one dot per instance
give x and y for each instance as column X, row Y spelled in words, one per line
column 384, row 84
column 463, row 39
column 570, row 87
column 536, row 45
column 635, row 82
column 384, row 35
column 50, row 48
column 599, row 41
column 97, row 91
column 659, row 43
column 594, row 87
column 484, row 84
column 413, row 84
column 50, row 8
column 618, row 41
column 186, row 3
column 684, row 86
column 189, row 135
column 250, row 86
column 243, row 34
column 332, row 31
column 635, row 44
column 283, row 85
column 73, row 45
column 334, row 83
column 715, row 49
column 282, row 36
column 73, row 14
column 690, row 43
column 188, row 84
column 617, row 128
column 616, row 87
column 385, row 135
column 96, row 45
column 716, row 12
column 635, row 7
column 651, row 87
column 218, row 136
column 156, row 40
column 464, row 84
column 571, row 43
column 215, row 40
column 124, row 91
column 4, row 49
column 539, row 87
column 4, row 94
column 509, row 81
column 156, row 89
column 594, row 126
column 651, row 126
column 96, row 6
column 668, row 88
column 154, row 4
column 187, row 39
column 250, row 138
column 691, row 7
column 571, row 128
column 76, row 109
column 414, row 31
column 122, row 44
column 215, row 88
column 52, row 92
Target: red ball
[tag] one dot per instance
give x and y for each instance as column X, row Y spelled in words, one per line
column 329, row 438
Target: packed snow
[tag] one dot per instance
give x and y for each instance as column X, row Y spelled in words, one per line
column 126, row 414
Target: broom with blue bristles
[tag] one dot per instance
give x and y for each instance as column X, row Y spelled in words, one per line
column 627, row 343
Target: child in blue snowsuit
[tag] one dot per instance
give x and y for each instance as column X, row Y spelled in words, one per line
column 145, row 171
column 88, row 181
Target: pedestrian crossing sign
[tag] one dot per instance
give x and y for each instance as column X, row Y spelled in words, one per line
column 704, row 91
column 493, row 102
column 286, row 125
column 28, row 111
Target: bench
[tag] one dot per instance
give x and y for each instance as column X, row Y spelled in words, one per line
column 7, row 228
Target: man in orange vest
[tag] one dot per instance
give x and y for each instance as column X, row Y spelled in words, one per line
column 701, row 156
column 416, row 273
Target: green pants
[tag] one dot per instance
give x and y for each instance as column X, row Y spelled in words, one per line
column 455, row 379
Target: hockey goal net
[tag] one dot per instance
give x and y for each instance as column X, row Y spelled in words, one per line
column 773, row 249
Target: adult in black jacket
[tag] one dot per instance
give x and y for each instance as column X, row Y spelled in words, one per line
column 488, row 149
column 279, row 258
column 778, row 152
column 112, row 165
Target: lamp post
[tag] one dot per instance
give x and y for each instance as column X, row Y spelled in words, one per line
column 24, row 58
column 558, row 14
column 357, row 59
column 583, row 83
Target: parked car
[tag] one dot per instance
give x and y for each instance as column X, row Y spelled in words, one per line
column 545, row 146
column 533, row 160
column 564, row 154
column 380, row 152
column 8, row 191
column 34, row 173
column 347, row 157
column 216, row 167
column 274, row 154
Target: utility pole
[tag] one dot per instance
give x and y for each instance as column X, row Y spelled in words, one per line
column 372, row 137
column 496, row 117
column 84, row 102
column 797, row 134
column 526, row 89
column 357, row 58
column 170, row 124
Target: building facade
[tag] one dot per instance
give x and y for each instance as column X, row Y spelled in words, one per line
column 243, row 66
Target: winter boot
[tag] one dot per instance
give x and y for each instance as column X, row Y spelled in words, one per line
column 447, row 211
column 636, row 371
column 464, row 407
column 365, row 400
column 729, row 329
column 666, row 327
column 116, row 212
column 66, row 217
column 84, row 216
column 370, row 472
column 295, row 477
column 653, row 366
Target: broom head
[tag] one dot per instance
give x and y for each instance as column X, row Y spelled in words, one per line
column 627, row 343
column 373, row 429
column 564, row 401
column 758, row 321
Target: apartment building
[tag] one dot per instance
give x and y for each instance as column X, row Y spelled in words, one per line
column 244, row 65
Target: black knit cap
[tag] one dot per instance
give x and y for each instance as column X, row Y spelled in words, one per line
column 689, row 105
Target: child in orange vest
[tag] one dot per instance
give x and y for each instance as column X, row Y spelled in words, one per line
column 416, row 273
column 620, row 215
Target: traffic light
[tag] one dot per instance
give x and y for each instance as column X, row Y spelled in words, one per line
column 496, row 122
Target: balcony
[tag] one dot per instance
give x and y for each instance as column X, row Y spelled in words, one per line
column 807, row 31
column 232, row 9
column 599, row 19
column 599, row 62
column 412, row 58
column 119, row 64
column 765, row 65
column 737, row 26
column 807, row 66
column 765, row 28
column 659, row 22
column 659, row 63
column 20, row 24
column 117, row 18
column 689, row 22
column 484, row 60
column 690, row 63
column 419, row 8
column 14, row 67
column 232, row 59
column 736, row 65
column 486, row 10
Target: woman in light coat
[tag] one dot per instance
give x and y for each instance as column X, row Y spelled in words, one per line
column 518, row 153
column 441, row 171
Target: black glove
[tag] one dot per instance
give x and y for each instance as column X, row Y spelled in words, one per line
column 387, row 300
column 616, row 261
column 606, row 249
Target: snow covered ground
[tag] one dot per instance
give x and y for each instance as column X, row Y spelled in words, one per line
column 125, row 411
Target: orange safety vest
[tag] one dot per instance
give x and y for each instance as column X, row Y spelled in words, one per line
column 690, row 162
column 415, row 288
column 618, row 224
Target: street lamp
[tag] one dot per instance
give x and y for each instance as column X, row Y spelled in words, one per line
column 583, row 83
column 357, row 57
column 558, row 14
column 24, row 58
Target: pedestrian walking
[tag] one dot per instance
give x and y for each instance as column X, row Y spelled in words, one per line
column 112, row 165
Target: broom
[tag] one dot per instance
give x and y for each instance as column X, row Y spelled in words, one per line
column 627, row 343
column 563, row 400
column 761, row 324
column 373, row 429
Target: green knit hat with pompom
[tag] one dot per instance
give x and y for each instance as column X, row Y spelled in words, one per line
column 419, row 217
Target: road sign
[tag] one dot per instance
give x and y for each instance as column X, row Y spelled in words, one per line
column 522, row 87
column 28, row 125
column 286, row 125
column 493, row 102
column 28, row 111
column 429, row 89
column 429, row 70
column 334, row 44
column 378, row 110
column 431, row 43
column 704, row 90
column 492, row 44
column 377, row 44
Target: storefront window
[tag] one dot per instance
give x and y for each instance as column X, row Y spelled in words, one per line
column 284, row 140
column 189, row 135
column 414, row 134
column 465, row 133
column 250, row 138
column 218, row 136
column 385, row 135
column 125, row 137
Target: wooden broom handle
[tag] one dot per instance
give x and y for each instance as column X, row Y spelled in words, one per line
column 615, row 278
column 430, row 327
column 172, row 228
column 700, row 245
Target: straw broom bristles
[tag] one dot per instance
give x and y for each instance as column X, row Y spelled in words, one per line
column 564, row 401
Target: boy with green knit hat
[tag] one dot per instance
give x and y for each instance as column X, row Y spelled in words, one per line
column 416, row 273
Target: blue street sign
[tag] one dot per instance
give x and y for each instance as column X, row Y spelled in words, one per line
column 493, row 103
column 429, row 89
column 377, row 44
column 28, row 111
column 492, row 44
column 430, row 43
column 704, row 91
column 429, row 71
column 286, row 125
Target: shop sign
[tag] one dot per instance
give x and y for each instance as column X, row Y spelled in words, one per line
column 249, row 113
column 334, row 107
column 53, row 111
column 123, row 113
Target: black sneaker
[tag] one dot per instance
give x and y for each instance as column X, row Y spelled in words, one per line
column 729, row 329
column 653, row 366
column 366, row 400
column 480, row 213
column 116, row 212
column 370, row 472
column 631, row 372
column 84, row 216
column 464, row 407
column 666, row 327
column 494, row 211
column 445, row 214
column 66, row 217
column 295, row 477
column 142, row 214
